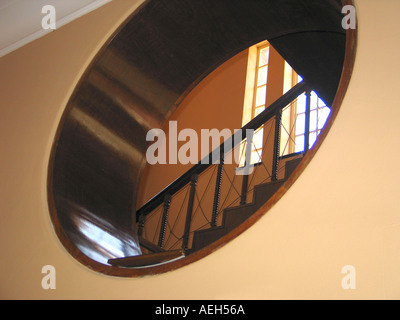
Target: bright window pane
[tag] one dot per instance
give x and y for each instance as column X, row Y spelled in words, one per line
column 261, row 95
column 255, row 156
column 313, row 120
column 258, row 110
column 300, row 124
column 313, row 138
column 285, row 121
column 262, row 76
column 299, row 147
column 258, row 139
column 301, row 104
column 314, row 101
column 264, row 57
column 323, row 116
column 288, row 78
column 284, row 143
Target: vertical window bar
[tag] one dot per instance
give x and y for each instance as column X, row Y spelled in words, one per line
column 307, row 119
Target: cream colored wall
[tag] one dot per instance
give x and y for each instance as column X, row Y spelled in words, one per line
column 297, row 250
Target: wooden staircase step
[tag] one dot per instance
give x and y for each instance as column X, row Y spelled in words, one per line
column 291, row 165
column 265, row 191
column 234, row 216
column 149, row 245
column 203, row 238
column 146, row 259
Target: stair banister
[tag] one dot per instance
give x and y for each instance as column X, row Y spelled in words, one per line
column 235, row 139
column 193, row 184
column 277, row 140
column 167, row 203
column 245, row 184
column 217, row 191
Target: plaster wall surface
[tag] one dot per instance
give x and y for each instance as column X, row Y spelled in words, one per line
column 342, row 210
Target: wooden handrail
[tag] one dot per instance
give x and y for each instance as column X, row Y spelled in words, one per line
column 237, row 137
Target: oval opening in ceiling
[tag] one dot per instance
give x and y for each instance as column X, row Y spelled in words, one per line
column 149, row 75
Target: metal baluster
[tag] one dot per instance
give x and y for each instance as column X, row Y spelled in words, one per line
column 275, row 160
column 193, row 184
column 245, row 183
column 217, row 192
column 167, row 203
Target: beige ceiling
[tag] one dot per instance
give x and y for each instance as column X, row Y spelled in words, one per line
column 21, row 20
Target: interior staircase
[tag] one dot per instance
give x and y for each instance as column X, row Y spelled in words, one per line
column 232, row 218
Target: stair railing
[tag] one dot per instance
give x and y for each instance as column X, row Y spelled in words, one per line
column 190, row 177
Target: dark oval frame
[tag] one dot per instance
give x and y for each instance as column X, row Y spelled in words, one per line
column 349, row 60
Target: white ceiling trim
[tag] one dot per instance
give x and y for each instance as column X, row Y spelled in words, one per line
column 20, row 20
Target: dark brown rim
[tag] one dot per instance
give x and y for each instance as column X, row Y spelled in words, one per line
column 349, row 60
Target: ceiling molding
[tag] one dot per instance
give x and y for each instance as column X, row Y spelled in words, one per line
column 21, row 20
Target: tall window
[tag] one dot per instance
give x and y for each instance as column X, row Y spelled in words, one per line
column 318, row 117
column 294, row 117
column 259, row 99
